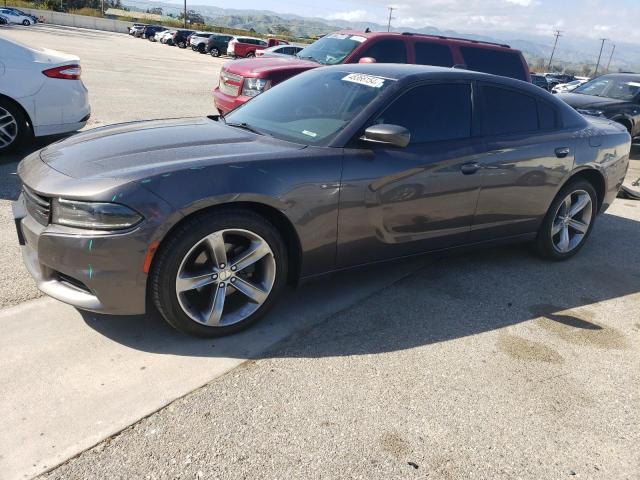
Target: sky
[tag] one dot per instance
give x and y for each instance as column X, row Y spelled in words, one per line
column 613, row 19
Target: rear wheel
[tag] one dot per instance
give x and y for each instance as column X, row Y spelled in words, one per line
column 219, row 272
column 251, row 55
column 569, row 221
column 214, row 52
column 14, row 127
column 201, row 48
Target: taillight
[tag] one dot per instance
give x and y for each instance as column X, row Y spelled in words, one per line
column 65, row 72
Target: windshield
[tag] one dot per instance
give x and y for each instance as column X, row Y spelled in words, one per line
column 311, row 108
column 610, row 88
column 331, row 49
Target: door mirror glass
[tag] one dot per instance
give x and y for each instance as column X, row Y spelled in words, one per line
column 388, row 134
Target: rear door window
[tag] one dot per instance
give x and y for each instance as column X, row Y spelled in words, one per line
column 547, row 116
column 497, row 62
column 387, row 51
column 506, row 112
column 432, row 113
column 437, row 54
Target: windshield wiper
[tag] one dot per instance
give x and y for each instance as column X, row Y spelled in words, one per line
column 244, row 126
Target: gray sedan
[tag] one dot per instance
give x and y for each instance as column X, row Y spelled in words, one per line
column 209, row 218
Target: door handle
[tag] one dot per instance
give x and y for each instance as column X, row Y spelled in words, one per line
column 469, row 168
column 562, row 152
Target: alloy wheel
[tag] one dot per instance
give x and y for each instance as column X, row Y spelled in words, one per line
column 8, row 128
column 571, row 222
column 225, row 277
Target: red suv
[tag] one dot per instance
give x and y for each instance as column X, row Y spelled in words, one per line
column 243, row 79
column 245, row 47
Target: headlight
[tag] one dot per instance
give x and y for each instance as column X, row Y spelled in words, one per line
column 588, row 111
column 93, row 215
column 254, row 86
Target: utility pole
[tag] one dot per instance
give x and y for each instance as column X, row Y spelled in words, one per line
column 557, row 34
column 595, row 73
column 185, row 13
column 391, row 9
column 611, row 56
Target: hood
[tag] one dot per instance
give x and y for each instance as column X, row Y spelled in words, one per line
column 579, row 100
column 138, row 150
column 263, row 66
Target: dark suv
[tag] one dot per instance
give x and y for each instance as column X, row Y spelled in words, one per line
column 352, row 46
column 180, row 37
column 150, row 31
column 217, row 44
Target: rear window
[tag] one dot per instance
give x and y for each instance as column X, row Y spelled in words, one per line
column 387, row 51
column 436, row 54
column 497, row 62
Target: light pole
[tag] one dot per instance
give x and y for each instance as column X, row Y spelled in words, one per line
column 185, row 13
column 391, row 9
column 557, row 34
column 611, row 56
column 599, row 56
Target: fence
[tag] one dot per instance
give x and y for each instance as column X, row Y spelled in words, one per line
column 70, row 20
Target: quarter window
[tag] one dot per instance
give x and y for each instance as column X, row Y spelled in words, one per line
column 387, row 51
column 436, row 54
column 432, row 112
column 507, row 112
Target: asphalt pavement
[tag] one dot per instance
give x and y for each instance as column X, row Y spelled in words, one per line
column 486, row 364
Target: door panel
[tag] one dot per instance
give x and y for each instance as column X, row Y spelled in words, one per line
column 397, row 202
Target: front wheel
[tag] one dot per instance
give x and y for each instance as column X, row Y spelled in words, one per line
column 250, row 55
column 182, row 44
column 569, row 221
column 219, row 272
column 26, row 22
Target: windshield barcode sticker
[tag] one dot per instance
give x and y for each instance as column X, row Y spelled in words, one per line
column 362, row 79
column 310, row 134
column 357, row 38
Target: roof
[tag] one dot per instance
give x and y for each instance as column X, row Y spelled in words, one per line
column 421, row 35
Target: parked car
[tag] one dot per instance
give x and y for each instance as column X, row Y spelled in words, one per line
column 166, row 36
column 335, row 168
column 138, row 26
column 180, row 38
column 150, row 32
column 14, row 17
column 568, row 87
column 198, row 41
column 217, row 44
column 279, row 51
column 244, row 79
column 246, row 47
column 614, row 96
column 40, row 94
column 540, row 81
column 20, row 12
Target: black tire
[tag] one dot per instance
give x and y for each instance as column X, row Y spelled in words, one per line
column 193, row 47
column 214, row 52
column 250, row 55
column 21, row 129
column 544, row 241
column 162, row 278
column 201, row 48
column 26, row 22
column 182, row 44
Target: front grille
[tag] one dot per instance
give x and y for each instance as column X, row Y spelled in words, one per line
column 39, row 207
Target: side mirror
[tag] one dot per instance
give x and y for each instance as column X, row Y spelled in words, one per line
column 387, row 134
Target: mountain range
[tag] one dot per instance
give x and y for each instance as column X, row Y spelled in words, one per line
column 571, row 51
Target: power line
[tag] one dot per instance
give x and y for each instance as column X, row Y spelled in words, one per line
column 391, row 9
column 558, row 34
column 599, row 56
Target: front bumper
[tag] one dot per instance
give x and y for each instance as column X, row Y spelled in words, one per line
column 92, row 271
column 225, row 103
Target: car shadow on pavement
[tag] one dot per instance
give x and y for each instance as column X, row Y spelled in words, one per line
column 9, row 181
column 432, row 299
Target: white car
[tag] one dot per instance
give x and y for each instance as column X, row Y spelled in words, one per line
column 165, row 36
column 568, row 87
column 279, row 51
column 14, row 17
column 41, row 93
column 198, row 41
